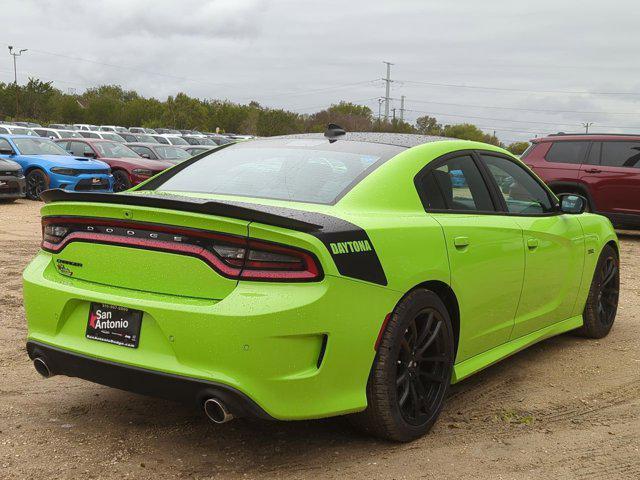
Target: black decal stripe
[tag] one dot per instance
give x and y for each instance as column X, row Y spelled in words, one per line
column 328, row 229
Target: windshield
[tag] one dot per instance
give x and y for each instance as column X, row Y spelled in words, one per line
column 38, row 146
column 177, row 141
column 113, row 136
column 300, row 170
column 146, row 138
column 69, row 134
column 114, row 150
column 171, row 153
column 23, row 131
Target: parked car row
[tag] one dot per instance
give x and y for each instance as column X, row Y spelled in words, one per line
column 31, row 164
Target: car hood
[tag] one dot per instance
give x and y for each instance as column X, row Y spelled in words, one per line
column 141, row 163
column 8, row 165
column 79, row 163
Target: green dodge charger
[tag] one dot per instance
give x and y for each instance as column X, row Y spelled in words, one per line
column 310, row 276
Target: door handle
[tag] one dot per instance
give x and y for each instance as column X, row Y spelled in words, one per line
column 592, row 170
column 532, row 243
column 461, row 242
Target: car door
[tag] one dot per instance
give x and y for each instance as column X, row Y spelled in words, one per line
column 484, row 246
column 613, row 177
column 554, row 245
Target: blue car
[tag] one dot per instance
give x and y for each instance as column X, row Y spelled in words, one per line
column 47, row 165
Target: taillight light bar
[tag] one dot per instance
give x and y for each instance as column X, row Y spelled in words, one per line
column 230, row 255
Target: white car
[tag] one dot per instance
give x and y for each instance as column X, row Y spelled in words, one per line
column 17, row 130
column 55, row 134
column 104, row 135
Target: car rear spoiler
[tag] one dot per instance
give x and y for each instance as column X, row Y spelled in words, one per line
column 276, row 216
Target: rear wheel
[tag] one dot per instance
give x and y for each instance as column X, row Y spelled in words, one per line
column 412, row 370
column 37, row 182
column 121, row 181
column 602, row 302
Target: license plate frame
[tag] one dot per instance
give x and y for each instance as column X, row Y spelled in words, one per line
column 114, row 324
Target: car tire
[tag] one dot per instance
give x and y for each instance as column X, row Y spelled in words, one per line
column 37, row 182
column 406, row 389
column 602, row 302
column 121, row 181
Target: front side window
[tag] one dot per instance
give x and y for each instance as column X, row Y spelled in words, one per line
column 520, row 190
column 298, row 170
column 456, row 185
column 621, row 154
column 38, row 146
column 567, row 152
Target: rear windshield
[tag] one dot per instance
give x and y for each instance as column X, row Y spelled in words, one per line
column 299, row 170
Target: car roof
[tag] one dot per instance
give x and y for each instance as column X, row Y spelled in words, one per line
column 407, row 140
column 563, row 137
column 9, row 135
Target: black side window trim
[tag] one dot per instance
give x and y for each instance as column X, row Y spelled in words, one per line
column 494, row 190
column 438, row 162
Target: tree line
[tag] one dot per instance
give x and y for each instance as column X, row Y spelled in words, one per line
column 41, row 102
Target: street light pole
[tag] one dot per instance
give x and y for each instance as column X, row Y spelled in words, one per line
column 15, row 76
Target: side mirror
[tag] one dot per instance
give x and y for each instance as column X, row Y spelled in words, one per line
column 572, row 203
column 145, row 155
column 89, row 154
column 6, row 151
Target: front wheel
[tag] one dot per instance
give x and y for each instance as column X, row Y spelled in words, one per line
column 121, row 181
column 602, row 303
column 411, row 372
column 37, row 182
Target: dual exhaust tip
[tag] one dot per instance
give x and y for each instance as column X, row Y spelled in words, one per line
column 214, row 409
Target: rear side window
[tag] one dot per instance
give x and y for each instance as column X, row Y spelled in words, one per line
column 456, row 185
column 567, row 152
column 621, row 154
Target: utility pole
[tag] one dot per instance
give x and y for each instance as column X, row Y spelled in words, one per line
column 402, row 108
column 586, row 126
column 387, row 91
column 15, row 76
column 394, row 114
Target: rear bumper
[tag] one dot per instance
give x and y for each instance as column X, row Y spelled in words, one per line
column 297, row 351
column 144, row 382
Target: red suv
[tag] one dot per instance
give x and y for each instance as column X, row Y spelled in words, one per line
column 604, row 168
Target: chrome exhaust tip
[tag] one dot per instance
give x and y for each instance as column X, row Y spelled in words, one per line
column 216, row 411
column 41, row 367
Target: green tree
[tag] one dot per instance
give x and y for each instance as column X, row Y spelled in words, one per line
column 427, row 125
column 518, row 147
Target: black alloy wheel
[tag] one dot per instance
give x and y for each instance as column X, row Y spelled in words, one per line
column 602, row 302
column 37, row 182
column 412, row 370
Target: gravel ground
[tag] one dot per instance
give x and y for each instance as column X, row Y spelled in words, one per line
column 565, row 408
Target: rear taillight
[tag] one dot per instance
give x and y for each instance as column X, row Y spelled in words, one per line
column 232, row 256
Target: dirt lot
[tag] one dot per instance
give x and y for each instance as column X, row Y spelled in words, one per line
column 566, row 408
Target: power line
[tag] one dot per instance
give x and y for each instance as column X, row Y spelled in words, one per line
column 505, row 89
column 542, row 110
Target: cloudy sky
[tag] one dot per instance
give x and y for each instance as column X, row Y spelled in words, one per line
column 514, row 67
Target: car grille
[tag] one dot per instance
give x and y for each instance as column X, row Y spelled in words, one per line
column 87, row 184
column 9, row 187
column 92, row 172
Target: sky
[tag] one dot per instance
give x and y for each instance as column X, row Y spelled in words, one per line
column 523, row 69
